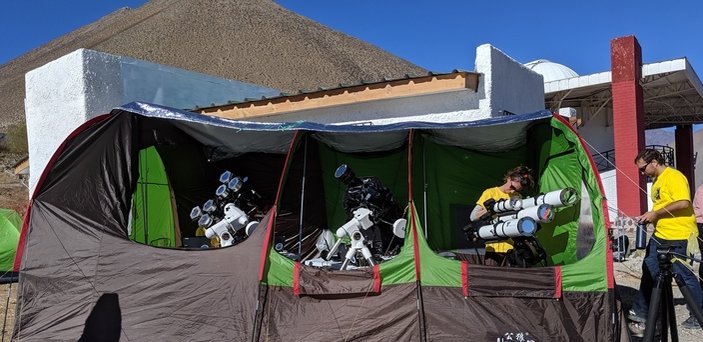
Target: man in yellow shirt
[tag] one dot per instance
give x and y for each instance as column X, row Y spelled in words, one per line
column 675, row 225
column 516, row 180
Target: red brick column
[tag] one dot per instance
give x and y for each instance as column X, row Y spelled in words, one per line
column 628, row 123
column 684, row 154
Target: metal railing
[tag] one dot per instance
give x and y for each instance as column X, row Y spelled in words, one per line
column 605, row 161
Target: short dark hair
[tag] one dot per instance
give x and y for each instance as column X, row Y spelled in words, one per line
column 649, row 154
column 522, row 174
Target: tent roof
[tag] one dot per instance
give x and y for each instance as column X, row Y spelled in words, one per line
column 494, row 134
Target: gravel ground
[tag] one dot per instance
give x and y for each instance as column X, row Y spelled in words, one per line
column 627, row 277
column 7, row 316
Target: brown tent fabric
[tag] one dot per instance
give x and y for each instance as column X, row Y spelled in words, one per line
column 80, row 271
column 217, row 302
column 487, row 281
column 390, row 316
column 321, row 283
column 575, row 317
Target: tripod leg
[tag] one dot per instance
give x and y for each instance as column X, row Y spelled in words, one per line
column 348, row 257
column 367, row 254
column 670, row 313
column 654, row 305
column 694, row 307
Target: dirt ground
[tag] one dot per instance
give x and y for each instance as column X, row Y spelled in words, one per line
column 7, row 316
column 627, row 278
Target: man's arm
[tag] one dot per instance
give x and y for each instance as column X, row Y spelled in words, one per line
column 668, row 210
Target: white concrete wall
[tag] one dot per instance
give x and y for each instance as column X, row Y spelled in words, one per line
column 504, row 85
column 597, row 129
column 66, row 92
column 507, row 85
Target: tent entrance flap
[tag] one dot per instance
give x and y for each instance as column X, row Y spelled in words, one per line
column 153, row 221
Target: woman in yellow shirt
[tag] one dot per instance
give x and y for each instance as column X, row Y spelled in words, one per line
column 516, row 180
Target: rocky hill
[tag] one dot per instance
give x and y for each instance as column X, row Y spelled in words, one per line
column 254, row 41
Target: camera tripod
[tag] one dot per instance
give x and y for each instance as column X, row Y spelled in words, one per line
column 662, row 301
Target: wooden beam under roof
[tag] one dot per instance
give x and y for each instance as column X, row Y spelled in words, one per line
column 415, row 86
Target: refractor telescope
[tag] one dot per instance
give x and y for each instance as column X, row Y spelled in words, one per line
column 225, row 217
column 519, row 217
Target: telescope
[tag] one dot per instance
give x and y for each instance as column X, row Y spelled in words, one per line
column 557, row 198
column 361, row 220
column 514, row 218
column 223, row 217
column 354, row 230
column 374, row 221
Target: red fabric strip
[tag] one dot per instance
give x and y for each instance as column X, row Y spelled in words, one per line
column 265, row 247
column 416, row 248
column 557, row 281
column 296, row 277
column 413, row 226
column 37, row 187
column 269, row 226
column 465, row 278
column 377, row 279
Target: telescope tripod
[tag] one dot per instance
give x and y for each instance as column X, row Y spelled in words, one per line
column 661, row 304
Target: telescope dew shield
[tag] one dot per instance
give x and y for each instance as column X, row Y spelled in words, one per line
column 525, row 226
column 557, row 198
column 512, row 204
column 542, row 213
column 225, row 177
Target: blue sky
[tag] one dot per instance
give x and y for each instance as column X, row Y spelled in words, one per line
column 438, row 35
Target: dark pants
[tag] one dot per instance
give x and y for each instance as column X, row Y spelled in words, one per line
column 650, row 270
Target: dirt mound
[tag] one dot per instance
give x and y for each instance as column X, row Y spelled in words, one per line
column 254, row 41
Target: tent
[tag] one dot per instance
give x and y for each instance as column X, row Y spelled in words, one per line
column 81, row 275
column 10, row 224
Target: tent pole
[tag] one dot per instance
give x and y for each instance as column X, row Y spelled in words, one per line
column 302, row 199
column 424, row 190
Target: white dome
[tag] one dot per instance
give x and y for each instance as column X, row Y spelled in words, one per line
column 551, row 71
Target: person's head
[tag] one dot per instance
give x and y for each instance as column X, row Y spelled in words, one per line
column 650, row 162
column 519, row 179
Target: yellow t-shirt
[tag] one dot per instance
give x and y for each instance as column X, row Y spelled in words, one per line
column 496, row 194
column 671, row 186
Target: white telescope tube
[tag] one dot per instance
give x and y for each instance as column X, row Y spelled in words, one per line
column 513, row 204
column 543, row 213
column 525, row 226
column 558, row 198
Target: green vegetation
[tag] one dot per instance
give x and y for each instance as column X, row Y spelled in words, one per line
column 15, row 140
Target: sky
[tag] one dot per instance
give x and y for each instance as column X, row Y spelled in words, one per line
column 439, row 35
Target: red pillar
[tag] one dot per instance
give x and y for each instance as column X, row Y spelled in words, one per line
column 628, row 123
column 684, row 154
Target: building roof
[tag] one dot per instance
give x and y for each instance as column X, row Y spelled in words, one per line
column 673, row 93
column 410, row 85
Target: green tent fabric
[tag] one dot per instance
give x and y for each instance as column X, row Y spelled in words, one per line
column 152, row 206
column 10, row 224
